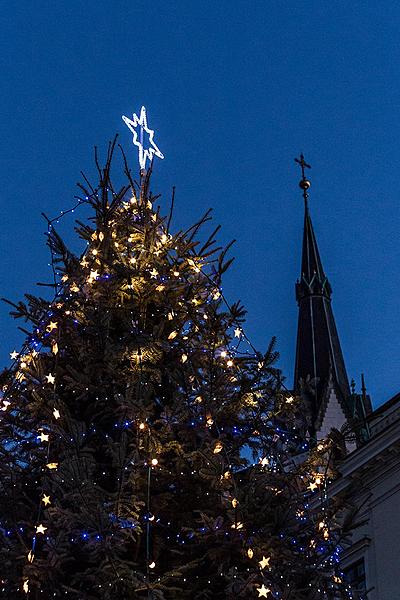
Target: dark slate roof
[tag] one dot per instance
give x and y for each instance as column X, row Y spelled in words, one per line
column 318, row 352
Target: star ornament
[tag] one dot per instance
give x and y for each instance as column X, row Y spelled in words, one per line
column 264, row 562
column 94, row 275
column 52, row 325
column 141, row 122
column 44, row 437
column 263, row 591
column 52, row 465
column 50, row 378
column 46, row 500
column 40, row 528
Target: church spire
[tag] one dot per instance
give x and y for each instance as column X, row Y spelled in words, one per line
column 319, row 358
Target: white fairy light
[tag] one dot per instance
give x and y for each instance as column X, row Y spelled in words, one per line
column 144, row 153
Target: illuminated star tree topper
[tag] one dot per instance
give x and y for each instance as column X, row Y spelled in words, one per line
column 141, row 123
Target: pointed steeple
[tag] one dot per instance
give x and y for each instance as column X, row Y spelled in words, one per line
column 319, row 358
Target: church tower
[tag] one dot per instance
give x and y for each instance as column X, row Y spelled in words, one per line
column 320, row 371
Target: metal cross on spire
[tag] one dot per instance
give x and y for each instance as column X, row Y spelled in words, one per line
column 144, row 153
column 304, row 182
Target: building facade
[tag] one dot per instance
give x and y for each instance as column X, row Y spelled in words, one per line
column 372, row 475
column 370, row 472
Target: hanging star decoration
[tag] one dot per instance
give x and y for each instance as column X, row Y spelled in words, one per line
column 40, row 528
column 44, row 437
column 264, row 562
column 52, row 325
column 52, row 465
column 144, row 153
column 263, row 591
column 46, row 500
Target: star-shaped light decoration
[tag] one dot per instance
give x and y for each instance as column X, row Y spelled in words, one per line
column 13, row 355
column 44, row 437
column 52, row 325
column 56, row 413
column 263, row 591
column 46, row 500
column 93, row 275
column 238, row 332
column 40, row 528
column 264, row 562
column 50, row 378
column 133, row 124
column 318, row 480
column 52, row 466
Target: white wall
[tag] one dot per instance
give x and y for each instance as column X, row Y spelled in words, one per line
column 374, row 470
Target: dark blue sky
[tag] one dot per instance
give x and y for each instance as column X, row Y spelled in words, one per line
column 235, row 90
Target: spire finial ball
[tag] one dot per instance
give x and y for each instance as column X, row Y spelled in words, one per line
column 305, row 184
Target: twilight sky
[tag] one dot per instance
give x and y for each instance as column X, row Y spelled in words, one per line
column 235, row 90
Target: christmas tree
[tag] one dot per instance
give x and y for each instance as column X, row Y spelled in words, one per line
column 147, row 450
